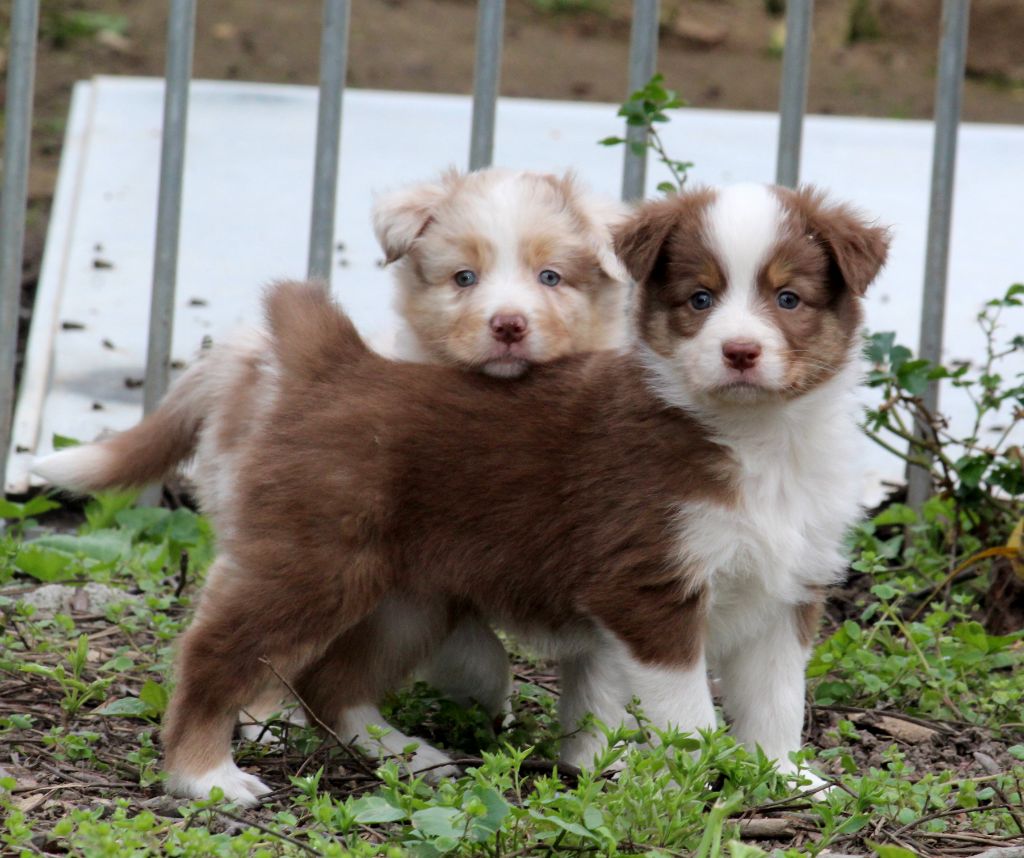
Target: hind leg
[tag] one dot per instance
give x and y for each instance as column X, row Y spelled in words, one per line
column 220, row 668
column 343, row 687
column 275, row 700
column 471, row 664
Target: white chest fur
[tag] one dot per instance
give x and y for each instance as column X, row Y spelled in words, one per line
column 798, row 495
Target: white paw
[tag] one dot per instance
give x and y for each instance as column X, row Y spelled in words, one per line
column 238, row 786
column 432, row 763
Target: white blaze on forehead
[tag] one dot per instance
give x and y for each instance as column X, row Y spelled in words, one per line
column 742, row 227
column 503, row 213
column 743, row 224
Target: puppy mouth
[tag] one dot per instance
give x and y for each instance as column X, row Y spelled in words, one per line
column 741, row 385
column 506, row 365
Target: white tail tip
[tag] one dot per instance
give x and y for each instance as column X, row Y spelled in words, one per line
column 80, row 469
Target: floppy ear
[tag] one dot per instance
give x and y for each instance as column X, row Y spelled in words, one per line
column 856, row 247
column 600, row 215
column 399, row 217
column 639, row 241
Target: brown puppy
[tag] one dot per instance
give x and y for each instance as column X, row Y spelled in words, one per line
column 495, row 271
column 646, row 512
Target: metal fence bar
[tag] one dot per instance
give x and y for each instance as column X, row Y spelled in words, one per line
column 17, row 147
column 796, row 62
column 333, row 66
column 643, row 58
column 180, row 32
column 948, row 93
column 486, row 75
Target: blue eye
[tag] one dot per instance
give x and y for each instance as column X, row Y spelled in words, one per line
column 701, row 300
column 465, row 278
column 788, row 300
column 549, row 277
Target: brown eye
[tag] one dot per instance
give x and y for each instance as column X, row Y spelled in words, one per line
column 465, row 278
column 788, row 300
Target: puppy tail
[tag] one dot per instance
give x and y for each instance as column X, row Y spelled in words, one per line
column 312, row 338
column 140, row 455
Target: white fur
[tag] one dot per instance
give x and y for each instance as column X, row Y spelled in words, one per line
column 603, row 679
column 359, row 722
column 76, row 468
column 238, row 786
column 798, row 490
column 742, row 227
column 471, row 665
column 428, row 230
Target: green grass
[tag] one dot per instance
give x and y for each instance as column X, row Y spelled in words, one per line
column 904, row 646
column 92, row 691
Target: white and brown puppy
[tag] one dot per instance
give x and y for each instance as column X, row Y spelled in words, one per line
column 496, row 271
column 653, row 512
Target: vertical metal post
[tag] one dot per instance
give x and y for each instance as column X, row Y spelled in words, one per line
column 948, row 92
column 486, row 75
column 333, row 66
column 17, row 148
column 793, row 93
column 180, row 31
column 643, row 57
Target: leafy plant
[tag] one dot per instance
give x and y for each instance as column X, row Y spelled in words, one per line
column 646, row 109
column 983, row 475
column 77, row 690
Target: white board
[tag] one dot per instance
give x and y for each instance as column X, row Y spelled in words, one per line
column 247, row 193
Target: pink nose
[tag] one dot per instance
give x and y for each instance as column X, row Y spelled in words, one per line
column 508, row 329
column 741, row 354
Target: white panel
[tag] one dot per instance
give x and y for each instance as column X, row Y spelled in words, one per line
column 246, row 217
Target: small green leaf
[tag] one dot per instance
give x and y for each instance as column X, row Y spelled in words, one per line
column 126, row 707
column 437, row 822
column 913, row 376
column 888, row 850
column 42, row 563
column 895, row 514
column 155, row 696
column 373, row 809
column 853, row 824
column 102, row 545
column 38, row 505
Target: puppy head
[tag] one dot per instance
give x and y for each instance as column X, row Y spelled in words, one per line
column 750, row 292
column 498, row 270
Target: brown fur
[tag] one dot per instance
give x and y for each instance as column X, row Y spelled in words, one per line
column 349, row 493
column 827, row 257
column 856, row 251
column 808, row 618
column 551, row 503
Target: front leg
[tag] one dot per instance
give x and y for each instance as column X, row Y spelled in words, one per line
column 604, row 681
column 763, row 685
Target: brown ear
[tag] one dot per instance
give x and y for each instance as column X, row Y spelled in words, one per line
column 639, row 241
column 856, row 247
